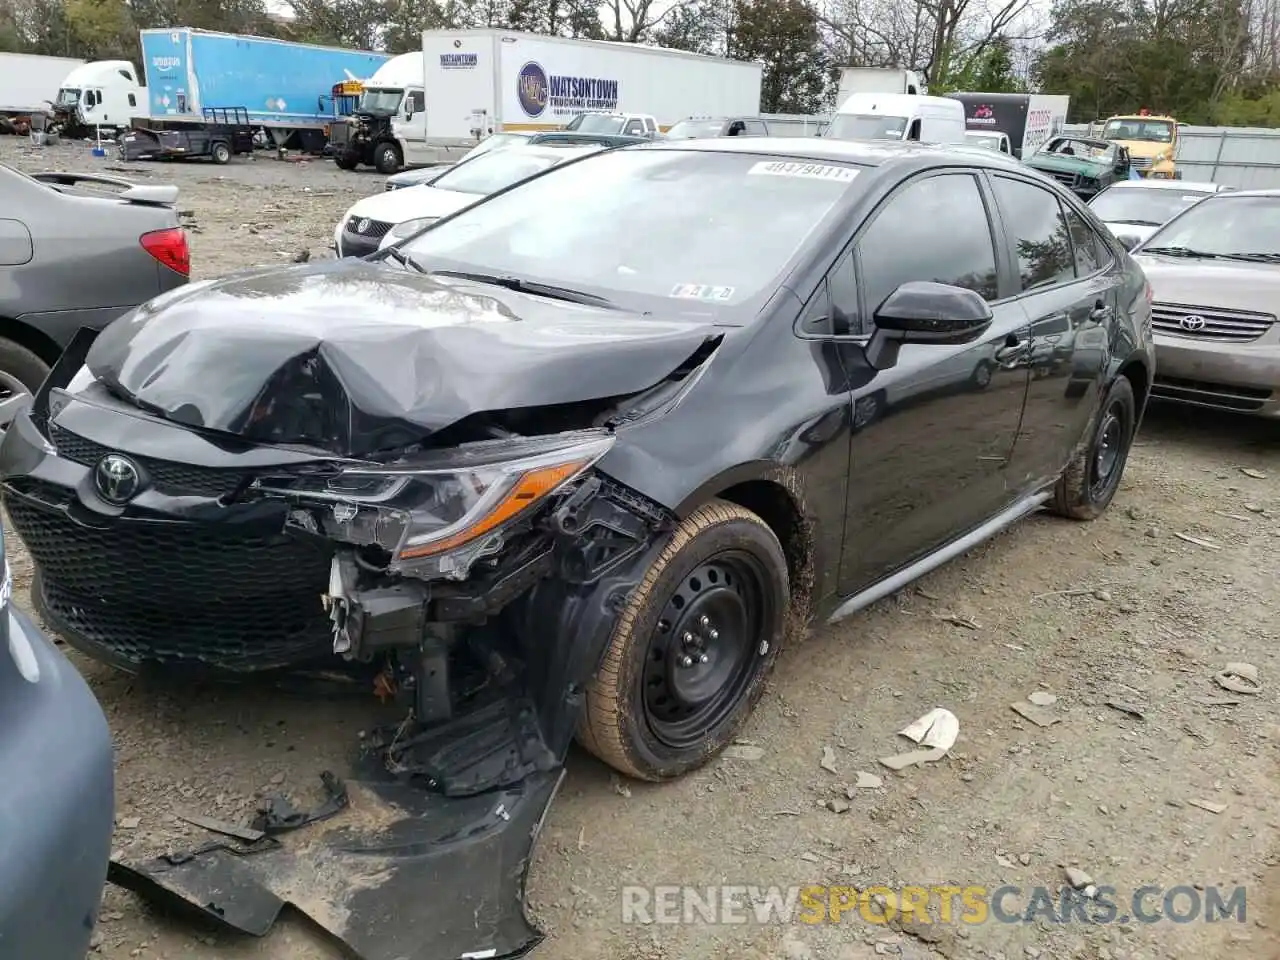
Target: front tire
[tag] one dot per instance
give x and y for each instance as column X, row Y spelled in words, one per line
column 346, row 161
column 386, row 158
column 1088, row 485
column 692, row 649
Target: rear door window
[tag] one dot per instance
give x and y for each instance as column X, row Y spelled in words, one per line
column 1038, row 232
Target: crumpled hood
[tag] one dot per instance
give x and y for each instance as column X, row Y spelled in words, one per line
column 409, row 203
column 1231, row 285
column 1050, row 161
column 355, row 357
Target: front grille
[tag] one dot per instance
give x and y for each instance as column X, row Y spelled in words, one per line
column 177, row 592
column 1211, row 394
column 1140, row 163
column 1209, row 323
column 373, row 229
column 166, row 476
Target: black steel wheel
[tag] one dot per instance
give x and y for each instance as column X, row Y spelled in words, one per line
column 690, row 653
column 1091, row 480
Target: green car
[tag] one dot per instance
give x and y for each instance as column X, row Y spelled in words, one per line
column 1084, row 164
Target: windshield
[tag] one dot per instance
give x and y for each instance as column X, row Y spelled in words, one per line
column 983, row 140
column 852, row 126
column 495, row 141
column 492, row 171
column 1225, row 227
column 68, row 97
column 1081, row 149
column 380, row 101
column 596, row 123
column 713, row 228
column 691, row 129
column 1145, row 205
column 1139, row 128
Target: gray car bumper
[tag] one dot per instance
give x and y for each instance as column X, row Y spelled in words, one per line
column 58, row 806
column 1240, row 377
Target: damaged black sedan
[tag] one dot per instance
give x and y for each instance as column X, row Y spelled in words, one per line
column 578, row 460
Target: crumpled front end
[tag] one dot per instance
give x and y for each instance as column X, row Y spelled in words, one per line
column 475, row 574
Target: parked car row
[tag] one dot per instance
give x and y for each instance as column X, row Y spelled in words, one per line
column 481, row 468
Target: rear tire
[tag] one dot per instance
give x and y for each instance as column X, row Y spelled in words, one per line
column 692, row 649
column 1088, row 485
column 221, row 153
column 386, row 158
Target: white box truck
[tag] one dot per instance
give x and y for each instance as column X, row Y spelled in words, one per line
column 1028, row 119
column 476, row 82
column 877, row 80
column 29, row 84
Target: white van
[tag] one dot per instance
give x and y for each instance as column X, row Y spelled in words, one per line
column 899, row 116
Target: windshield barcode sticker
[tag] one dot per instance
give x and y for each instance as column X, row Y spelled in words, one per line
column 809, row 171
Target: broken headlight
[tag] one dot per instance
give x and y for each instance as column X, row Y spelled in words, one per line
column 439, row 511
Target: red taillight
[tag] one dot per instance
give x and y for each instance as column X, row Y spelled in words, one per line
column 170, row 248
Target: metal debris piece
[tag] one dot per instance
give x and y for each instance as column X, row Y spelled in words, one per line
column 1239, row 678
column 1040, row 716
column 1209, row 805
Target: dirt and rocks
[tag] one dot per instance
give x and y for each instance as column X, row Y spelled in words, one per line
column 1143, row 778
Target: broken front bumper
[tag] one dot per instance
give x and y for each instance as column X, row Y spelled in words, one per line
column 397, row 873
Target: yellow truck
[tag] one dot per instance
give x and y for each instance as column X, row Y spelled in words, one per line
column 1152, row 142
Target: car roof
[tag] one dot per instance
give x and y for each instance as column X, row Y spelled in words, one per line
column 1193, row 186
column 867, row 153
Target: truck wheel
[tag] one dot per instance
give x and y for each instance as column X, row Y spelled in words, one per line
column 1091, row 479
column 386, row 158
column 346, row 161
column 692, row 649
column 220, row 152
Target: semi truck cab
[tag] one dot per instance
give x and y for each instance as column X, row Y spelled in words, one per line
column 102, row 95
column 1152, row 142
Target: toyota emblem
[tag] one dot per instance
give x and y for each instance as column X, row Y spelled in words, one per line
column 117, row 478
column 1192, row 322
column 363, row 226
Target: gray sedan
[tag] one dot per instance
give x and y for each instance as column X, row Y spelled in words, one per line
column 1214, row 270
column 77, row 250
column 58, row 810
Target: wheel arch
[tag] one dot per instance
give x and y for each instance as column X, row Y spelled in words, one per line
column 773, row 493
column 1138, row 373
column 25, row 335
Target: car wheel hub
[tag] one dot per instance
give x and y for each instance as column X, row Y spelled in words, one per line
column 1107, row 451
column 701, row 654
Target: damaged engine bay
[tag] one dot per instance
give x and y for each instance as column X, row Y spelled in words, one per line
column 474, row 563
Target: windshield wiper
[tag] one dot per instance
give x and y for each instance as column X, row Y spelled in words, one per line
column 1139, row 223
column 1252, row 257
column 1182, row 252
column 551, row 291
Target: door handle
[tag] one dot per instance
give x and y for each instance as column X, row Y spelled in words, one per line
column 1013, row 350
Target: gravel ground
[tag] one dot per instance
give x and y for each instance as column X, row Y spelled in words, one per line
column 1123, row 610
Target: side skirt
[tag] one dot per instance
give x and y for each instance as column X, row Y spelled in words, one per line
column 949, row 551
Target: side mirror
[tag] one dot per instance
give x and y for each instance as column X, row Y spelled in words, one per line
column 921, row 311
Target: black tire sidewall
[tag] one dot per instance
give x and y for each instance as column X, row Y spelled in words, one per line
column 17, row 361
column 1122, row 391
column 221, row 153
column 647, row 750
column 381, row 152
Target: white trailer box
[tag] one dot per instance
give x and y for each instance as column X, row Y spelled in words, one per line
column 482, row 81
column 29, row 84
column 877, row 80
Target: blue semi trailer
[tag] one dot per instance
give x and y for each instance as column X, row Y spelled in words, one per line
column 284, row 89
